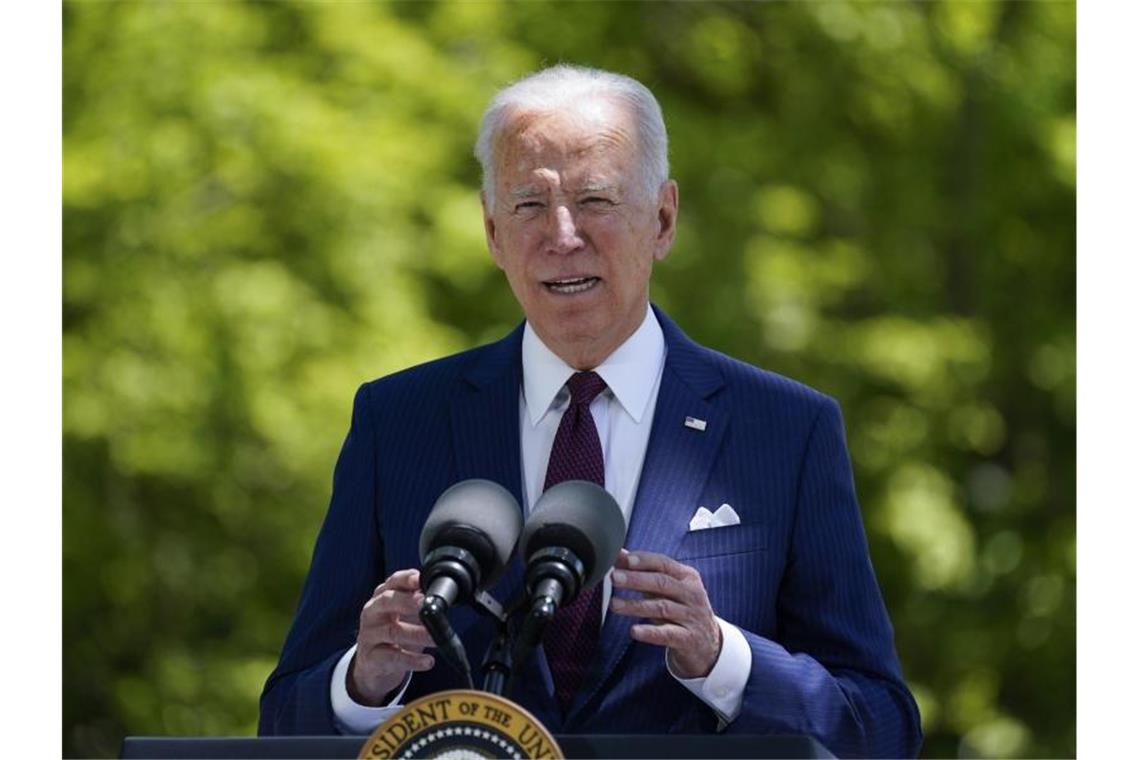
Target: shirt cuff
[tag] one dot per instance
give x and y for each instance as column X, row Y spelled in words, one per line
column 351, row 716
column 723, row 688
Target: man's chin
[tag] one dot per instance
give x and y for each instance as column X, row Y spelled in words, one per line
column 581, row 339
column 572, row 329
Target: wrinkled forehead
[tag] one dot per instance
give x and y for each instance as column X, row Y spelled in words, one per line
column 594, row 134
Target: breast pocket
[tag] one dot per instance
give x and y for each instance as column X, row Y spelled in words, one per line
column 730, row 539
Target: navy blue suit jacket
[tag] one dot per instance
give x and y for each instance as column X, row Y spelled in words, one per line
column 794, row 576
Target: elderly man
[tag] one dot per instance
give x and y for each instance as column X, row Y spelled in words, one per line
column 745, row 601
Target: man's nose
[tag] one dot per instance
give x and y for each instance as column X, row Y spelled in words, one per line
column 565, row 237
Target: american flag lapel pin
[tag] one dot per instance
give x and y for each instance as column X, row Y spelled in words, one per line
column 695, row 424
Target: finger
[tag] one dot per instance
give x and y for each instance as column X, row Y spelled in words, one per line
column 654, row 584
column 402, row 633
column 401, row 580
column 392, row 602
column 393, row 630
column 397, row 660
column 655, row 608
column 411, row 634
column 663, row 635
column 656, row 563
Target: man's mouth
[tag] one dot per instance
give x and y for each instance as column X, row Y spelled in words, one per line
column 571, row 285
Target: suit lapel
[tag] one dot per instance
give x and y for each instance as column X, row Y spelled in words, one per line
column 485, row 434
column 485, row 417
column 677, row 464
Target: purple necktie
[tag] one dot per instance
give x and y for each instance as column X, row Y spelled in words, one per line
column 572, row 637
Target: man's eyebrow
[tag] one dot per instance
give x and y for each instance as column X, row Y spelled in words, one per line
column 526, row 191
column 597, row 186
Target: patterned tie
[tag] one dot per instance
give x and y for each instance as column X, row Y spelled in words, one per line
column 572, row 637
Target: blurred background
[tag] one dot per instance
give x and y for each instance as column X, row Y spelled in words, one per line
column 266, row 204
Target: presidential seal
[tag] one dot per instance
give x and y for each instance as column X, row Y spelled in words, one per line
column 461, row 725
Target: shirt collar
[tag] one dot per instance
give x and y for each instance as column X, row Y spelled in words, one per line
column 630, row 372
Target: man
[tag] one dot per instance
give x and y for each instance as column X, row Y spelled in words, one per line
column 763, row 617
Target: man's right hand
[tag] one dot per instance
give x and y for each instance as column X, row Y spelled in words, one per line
column 391, row 640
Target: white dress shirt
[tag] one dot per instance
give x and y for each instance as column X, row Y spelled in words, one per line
column 623, row 415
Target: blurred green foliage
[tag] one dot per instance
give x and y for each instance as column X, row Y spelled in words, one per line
column 266, row 204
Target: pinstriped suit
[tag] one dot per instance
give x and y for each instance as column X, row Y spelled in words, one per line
column 795, row 575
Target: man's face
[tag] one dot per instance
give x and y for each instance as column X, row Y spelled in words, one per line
column 572, row 229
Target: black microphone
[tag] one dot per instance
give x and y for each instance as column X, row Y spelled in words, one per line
column 569, row 542
column 464, row 547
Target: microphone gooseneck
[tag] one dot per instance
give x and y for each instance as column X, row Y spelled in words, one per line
column 433, row 614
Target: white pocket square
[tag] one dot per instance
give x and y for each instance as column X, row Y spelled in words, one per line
column 723, row 517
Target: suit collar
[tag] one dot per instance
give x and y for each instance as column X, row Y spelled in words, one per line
column 630, row 371
column 689, row 360
column 498, row 361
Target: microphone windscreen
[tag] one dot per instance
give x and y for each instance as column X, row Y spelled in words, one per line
column 581, row 516
column 478, row 512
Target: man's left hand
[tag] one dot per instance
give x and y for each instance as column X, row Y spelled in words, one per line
column 676, row 604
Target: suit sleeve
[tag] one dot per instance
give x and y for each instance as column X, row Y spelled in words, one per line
column 832, row 671
column 347, row 562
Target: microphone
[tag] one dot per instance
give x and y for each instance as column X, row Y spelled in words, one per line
column 465, row 545
column 569, row 542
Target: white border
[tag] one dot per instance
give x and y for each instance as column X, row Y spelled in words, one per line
column 1108, row 211
column 31, row 379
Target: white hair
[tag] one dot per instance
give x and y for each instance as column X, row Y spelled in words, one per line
column 562, row 85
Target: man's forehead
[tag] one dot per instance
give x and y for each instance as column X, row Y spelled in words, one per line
column 579, row 130
column 573, row 138
column 589, row 160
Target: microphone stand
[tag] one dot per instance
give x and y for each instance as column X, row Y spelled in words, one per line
column 497, row 663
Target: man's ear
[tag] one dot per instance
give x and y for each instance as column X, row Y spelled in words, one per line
column 666, row 220
column 490, row 230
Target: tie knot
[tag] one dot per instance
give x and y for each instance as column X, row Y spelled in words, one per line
column 585, row 387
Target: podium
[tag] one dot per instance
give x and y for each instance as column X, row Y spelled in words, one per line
column 579, row 746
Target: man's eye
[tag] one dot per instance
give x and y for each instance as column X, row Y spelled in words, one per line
column 528, row 206
column 597, row 200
